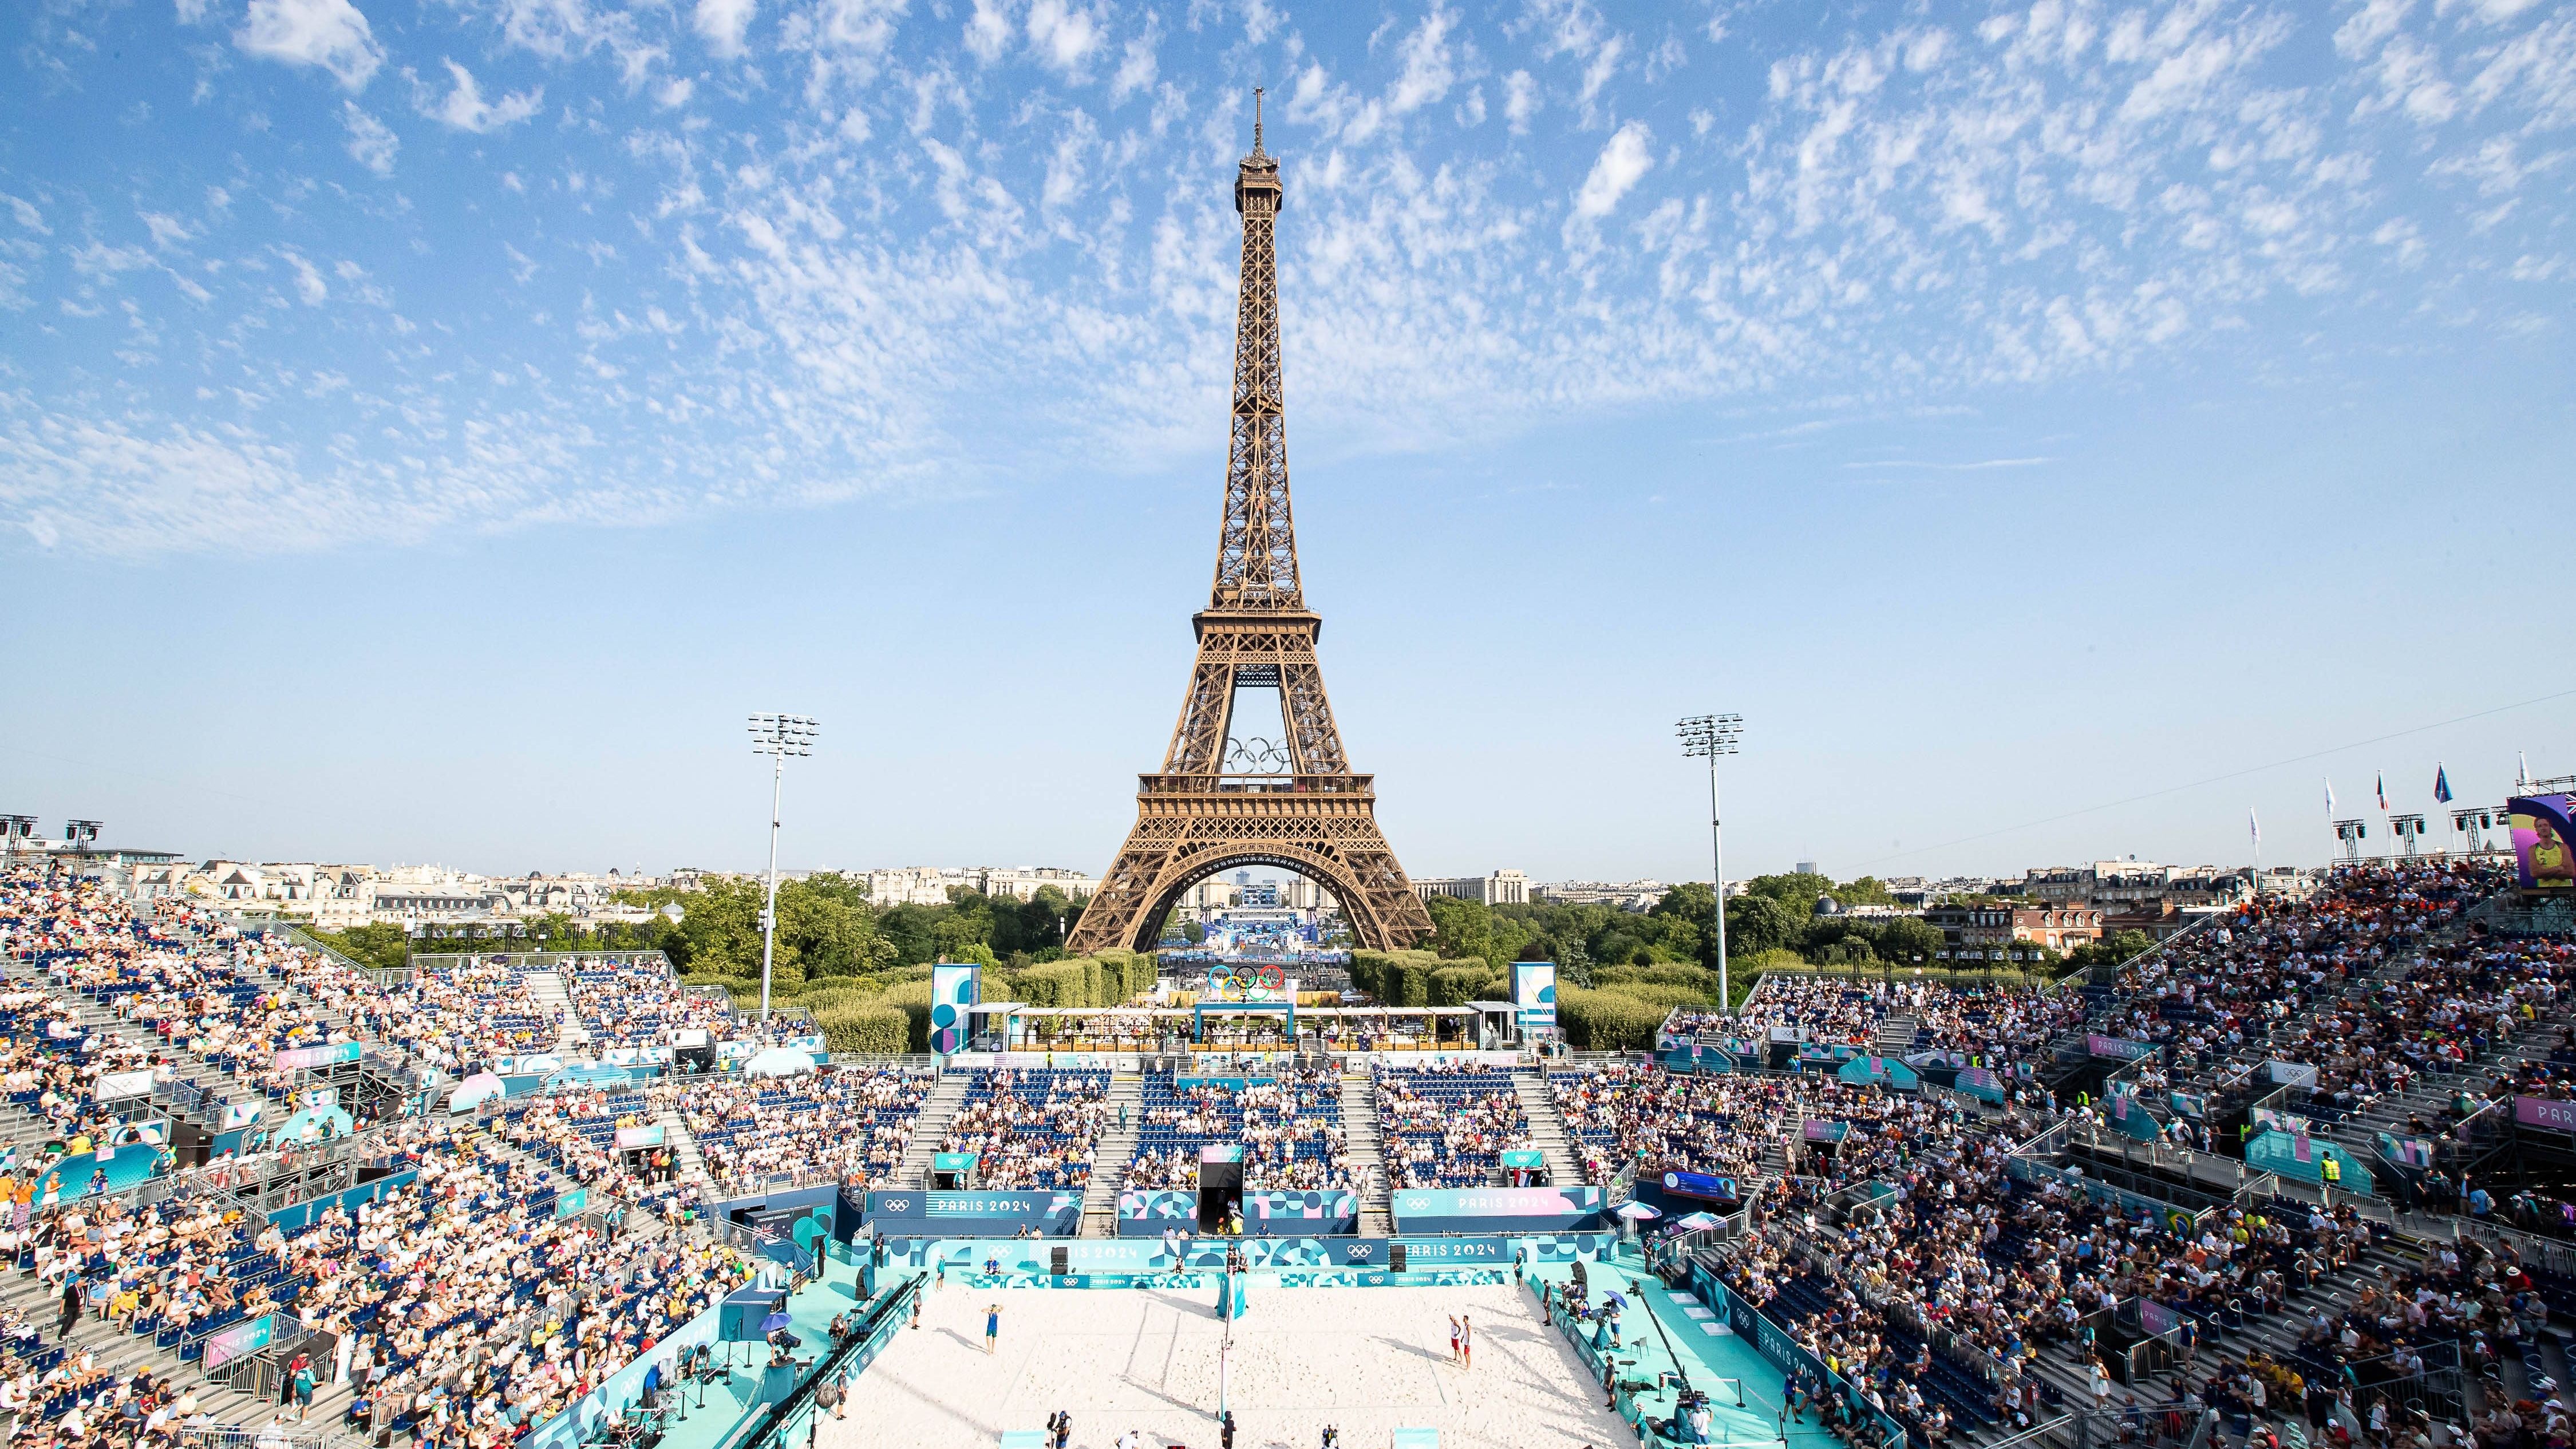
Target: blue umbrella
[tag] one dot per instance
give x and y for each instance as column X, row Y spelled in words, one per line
column 775, row 1322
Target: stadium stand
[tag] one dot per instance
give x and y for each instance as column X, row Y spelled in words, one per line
column 1031, row 1127
column 635, row 1006
column 848, row 1125
column 1981, row 1270
column 1290, row 1129
column 1448, row 1126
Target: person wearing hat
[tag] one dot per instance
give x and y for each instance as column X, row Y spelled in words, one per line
column 829, row 1395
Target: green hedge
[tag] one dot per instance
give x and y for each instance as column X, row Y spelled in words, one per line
column 827, row 998
column 1458, row 983
column 1057, row 983
column 1395, row 978
column 1111, row 978
column 1607, row 1021
column 1662, row 998
column 875, row 1030
column 1126, row 974
column 1697, row 978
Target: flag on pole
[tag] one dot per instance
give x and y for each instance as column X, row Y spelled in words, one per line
column 2382, row 781
column 2441, row 783
column 2254, row 826
column 2329, row 797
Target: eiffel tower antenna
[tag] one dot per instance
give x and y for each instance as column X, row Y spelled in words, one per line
column 1295, row 804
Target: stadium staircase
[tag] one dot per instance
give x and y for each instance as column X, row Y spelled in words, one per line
column 930, row 1128
column 1367, row 1151
column 1109, row 1156
column 1547, row 1124
column 1895, row 1036
column 547, row 987
column 687, row 1162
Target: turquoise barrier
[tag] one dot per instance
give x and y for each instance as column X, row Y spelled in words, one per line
column 2281, row 1152
column 1887, row 1072
column 72, row 1177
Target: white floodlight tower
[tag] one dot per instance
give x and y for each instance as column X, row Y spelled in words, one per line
column 777, row 736
column 1709, row 736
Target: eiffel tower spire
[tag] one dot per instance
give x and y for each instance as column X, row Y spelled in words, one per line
column 1298, row 805
column 1256, row 554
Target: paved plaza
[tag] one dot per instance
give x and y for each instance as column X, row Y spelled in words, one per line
column 1367, row 1360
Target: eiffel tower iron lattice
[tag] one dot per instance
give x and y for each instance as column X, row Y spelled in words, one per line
column 1295, row 803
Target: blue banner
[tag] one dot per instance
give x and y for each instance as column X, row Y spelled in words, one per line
column 1701, row 1185
column 974, row 1214
column 1496, row 1209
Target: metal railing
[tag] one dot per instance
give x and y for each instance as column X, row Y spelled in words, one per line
column 299, row 1436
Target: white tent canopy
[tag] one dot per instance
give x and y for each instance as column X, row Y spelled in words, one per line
column 778, row 1062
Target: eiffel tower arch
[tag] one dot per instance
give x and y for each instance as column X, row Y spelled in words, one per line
column 1219, row 803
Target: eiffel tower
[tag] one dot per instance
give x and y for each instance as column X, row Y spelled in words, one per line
column 1219, row 803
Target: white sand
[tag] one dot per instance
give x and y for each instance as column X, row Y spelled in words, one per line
column 1367, row 1360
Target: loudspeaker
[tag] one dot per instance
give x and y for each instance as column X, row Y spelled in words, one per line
column 1395, row 1257
column 1056, row 1260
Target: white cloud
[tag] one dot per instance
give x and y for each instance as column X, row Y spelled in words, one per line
column 1063, row 35
column 724, row 23
column 1623, row 162
column 1135, row 68
column 465, row 108
column 371, row 142
column 308, row 279
column 1427, row 75
column 988, row 30
column 865, row 27
column 1520, row 101
column 1900, row 212
column 167, row 231
column 330, row 34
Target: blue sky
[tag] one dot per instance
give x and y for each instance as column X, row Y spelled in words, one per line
column 427, row 429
